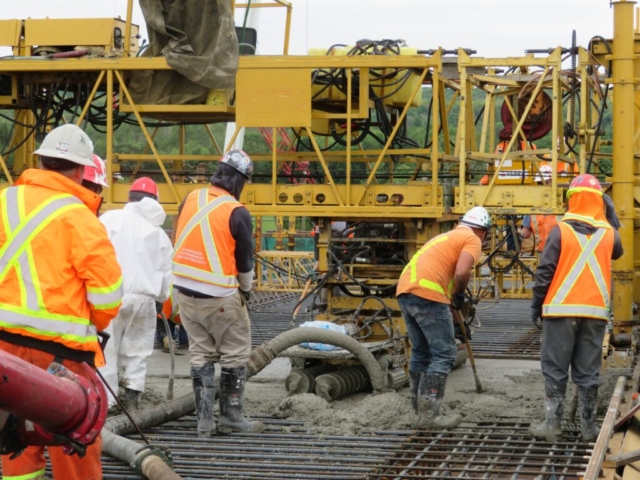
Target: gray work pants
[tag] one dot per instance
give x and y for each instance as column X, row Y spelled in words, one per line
column 575, row 342
column 217, row 328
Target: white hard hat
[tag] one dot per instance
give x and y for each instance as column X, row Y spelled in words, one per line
column 544, row 175
column 477, row 217
column 68, row 142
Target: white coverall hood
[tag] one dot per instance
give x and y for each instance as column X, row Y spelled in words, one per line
column 149, row 209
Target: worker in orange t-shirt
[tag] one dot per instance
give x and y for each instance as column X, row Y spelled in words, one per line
column 433, row 282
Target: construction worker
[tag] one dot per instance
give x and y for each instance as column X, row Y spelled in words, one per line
column 572, row 294
column 144, row 252
column 95, row 176
column 433, row 281
column 213, row 272
column 539, row 225
column 60, row 283
column 171, row 313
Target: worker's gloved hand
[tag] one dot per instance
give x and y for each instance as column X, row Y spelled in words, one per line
column 537, row 321
column 247, row 295
column 457, row 301
column 158, row 308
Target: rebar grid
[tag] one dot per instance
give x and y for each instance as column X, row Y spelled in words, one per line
column 287, row 450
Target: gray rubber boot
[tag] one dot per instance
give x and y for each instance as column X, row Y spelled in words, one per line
column 131, row 398
column 232, row 383
column 414, row 384
column 430, row 396
column 204, row 391
column 588, row 409
column 551, row 428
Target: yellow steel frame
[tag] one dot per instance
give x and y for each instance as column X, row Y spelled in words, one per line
column 423, row 208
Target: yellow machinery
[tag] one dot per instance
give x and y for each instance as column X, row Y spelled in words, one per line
column 340, row 116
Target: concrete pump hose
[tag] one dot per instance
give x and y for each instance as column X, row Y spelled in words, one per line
column 152, row 466
column 152, row 417
column 265, row 353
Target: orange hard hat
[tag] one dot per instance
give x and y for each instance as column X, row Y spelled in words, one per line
column 98, row 173
column 584, row 183
column 145, row 185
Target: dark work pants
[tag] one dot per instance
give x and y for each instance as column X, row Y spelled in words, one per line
column 572, row 342
column 430, row 329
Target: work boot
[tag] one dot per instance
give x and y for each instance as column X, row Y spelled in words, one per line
column 204, row 390
column 551, row 428
column 431, row 392
column 414, row 384
column 232, row 383
column 131, row 398
column 165, row 343
column 588, row 409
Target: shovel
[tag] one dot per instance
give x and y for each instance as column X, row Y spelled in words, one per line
column 467, row 344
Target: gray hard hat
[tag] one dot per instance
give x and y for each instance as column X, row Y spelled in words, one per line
column 238, row 160
column 68, row 142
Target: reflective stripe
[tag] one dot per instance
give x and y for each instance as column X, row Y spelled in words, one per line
column 33, row 224
column 204, row 276
column 431, row 286
column 573, row 310
column 13, row 214
column 27, row 476
column 413, row 264
column 585, row 258
column 44, row 323
column 583, row 218
column 201, row 215
column 27, row 282
column 101, row 297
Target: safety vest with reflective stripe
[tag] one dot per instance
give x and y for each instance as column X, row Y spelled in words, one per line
column 205, row 249
column 429, row 274
column 542, row 226
column 33, row 311
column 582, row 280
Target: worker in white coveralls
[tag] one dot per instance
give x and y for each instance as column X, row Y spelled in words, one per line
column 144, row 253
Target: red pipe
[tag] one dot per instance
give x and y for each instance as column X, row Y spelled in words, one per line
column 57, row 401
column 54, row 403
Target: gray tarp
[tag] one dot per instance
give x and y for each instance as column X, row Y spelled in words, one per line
column 198, row 39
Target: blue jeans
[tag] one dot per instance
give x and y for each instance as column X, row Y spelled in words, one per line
column 430, row 329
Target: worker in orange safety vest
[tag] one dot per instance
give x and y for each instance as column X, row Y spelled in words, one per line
column 435, row 280
column 572, row 294
column 213, row 274
column 60, row 283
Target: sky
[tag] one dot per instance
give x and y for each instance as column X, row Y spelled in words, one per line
column 495, row 28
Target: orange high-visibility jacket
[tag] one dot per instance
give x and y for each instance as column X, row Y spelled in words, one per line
column 542, row 226
column 170, row 308
column 205, row 249
column 59, row 277
column 581, row 285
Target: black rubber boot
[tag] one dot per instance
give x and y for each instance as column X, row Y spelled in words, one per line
column 551, row 428
column 204, row 390
column 131, row 398
column 588, row 409
column 232, row 382
column 430, row 397
column 414, row 384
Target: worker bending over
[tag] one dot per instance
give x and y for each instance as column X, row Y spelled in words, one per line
column 572, row 294
column 433, row 281
column 60, row 282
column 144, row 252
column 213, row 271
